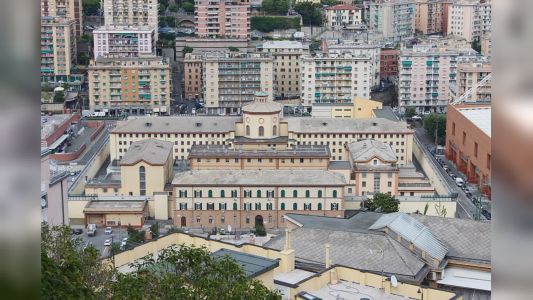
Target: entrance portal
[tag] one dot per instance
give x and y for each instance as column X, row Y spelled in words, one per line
column 183, row 222
column 258, row 220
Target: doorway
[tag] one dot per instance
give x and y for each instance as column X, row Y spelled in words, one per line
column 183, row 222
column 258, row 220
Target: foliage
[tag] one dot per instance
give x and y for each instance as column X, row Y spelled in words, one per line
column 441, row 210
column 173, row 8
column 331, row 2
column 67, row 270
column 271, row 23
column 260, row 230
column 169, row 21
column 59, row 97
column 277, row 7
column 426, row 208
column 410, row 112
column 187, row 49
column 83, row 59
column 311, row 13
column 91, row 7
column 384, row 202
column 179, row 272
column 135, row 236
column 188, row 6
column 233, row 49
column 154, row 229
column 314, row 46
column 438, row 122
column 88, row 38
column 476, row 45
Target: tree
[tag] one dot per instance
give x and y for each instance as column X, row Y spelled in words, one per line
column 310, row 12
column 435, row 123
column 476, row 45
column 331, row 2
column 173, row 8
column 384, row 203
column 154, row 229
column 59, row 97
column 314, row 46
column 271, row 23
column 260, row 230
column 91, row 7
column 410, row 112
column 135, row 236
column 279, row 7
column 233, row 49
column 187, row 49
column 188, row 7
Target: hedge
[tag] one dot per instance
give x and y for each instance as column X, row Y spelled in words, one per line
column 270, row 23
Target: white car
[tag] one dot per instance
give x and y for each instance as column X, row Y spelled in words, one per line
column 108, row 230
column 107, row 243
column 426, row 112
column 416, row 118
column 123, row 243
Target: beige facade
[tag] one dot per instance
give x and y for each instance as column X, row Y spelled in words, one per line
column 343, row 16
column 131, row 85
column 232, row 79
column 132, row 12
column 192, row 76
column 470, row 19
column 72, row 9
column 486, row 45
column 286, row 56
column 468, row 74
column 361, row 108
column 430, row 16
column 58, row 46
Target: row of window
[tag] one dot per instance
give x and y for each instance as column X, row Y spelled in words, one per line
column 249, row 194
column 254, row 206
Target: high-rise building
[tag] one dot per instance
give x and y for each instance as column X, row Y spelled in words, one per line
column 470, row 73
column 123, row 41
column 58, row 48
column 222, row 18
column 132, row 13
column 130, row 85
column 192, row 76
column 232, row 79
column 394, row 19
column 343, row 16
column 430, row 16
column 425, row 75
column 469, row 19
column 334, row 78
column 389, row 64
column 72, row 9
column 286, row 56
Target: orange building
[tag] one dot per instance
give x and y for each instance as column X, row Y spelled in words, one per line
column 468, row 142
column 192, row 76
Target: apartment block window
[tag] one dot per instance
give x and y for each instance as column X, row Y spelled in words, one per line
column 363, row 183
column 334, row 206
column 222, row 206
column 197, row 206
column 307, row 206
column 247, row 206
column 377, row 183
column 389, row 184
column 248, row 194
column 453, row 128
column 269, row 206
column 198, row 194
column 258, row 206
column 475, row 149
column 233, row 193
column 464, row 138
column 183, row 206
column 142, row 181
column 488, row 161
column 210, row 206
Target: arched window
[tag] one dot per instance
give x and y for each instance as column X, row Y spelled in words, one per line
column 258, row 193
column 247, row 130
column 274, row 130
column 282, row 193
column 261, row 131
column 142, row 181
column 319, row 206
column 222, row 194
column 295, row 194
column 307, row 194
column 295, row 206
column 210, row 194
column 282, row 206
column 334, row 194
column 234, row 205
column 319, row 194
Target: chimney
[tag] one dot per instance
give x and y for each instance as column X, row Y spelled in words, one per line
column 328, row 256
column 287, row 240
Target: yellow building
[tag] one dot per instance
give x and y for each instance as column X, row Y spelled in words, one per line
column 58, row 48
column 72, row 9
column 360, row 108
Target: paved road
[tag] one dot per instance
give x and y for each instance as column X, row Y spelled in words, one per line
column 98, row 240
column 466, row 209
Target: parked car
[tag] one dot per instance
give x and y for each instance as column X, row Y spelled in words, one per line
column 416, row 118
column 453, row 176
column 468, row 195
column 123, row 243
column 445, row 168
column 459, row 181
column 107, row 242
column 77, row 231
column 108, row 230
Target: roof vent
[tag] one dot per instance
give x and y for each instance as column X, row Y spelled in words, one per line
column 325, row 124
column 374, row 124
column 198, row 124
column 148, row 124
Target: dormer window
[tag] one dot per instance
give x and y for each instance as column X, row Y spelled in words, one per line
column 375, row 162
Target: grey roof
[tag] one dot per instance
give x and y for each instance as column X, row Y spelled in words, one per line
column 262, row 107
column 276, row 140
column 365, row 150
column 177, row 125
column 152, row 151
column 318, row 151
column 339, row 165
column 352, row 249
column 413, row 231
column 386, row 113
column 345, row 125
column 358, row 223
column 252, row 265
column 465, row 239
column 115, row 206
column 259, row 178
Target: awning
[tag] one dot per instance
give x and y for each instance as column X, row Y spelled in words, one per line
column 466, row 278
column 58, row 142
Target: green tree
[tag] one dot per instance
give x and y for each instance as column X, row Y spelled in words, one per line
column 435, row 123
column 91, row 7
column 154, row 229
column 59, row 97
column 410, row 112
column 188, row 7
column 310, row 12
column 314, row 46
column 277, row 7
column 233, row 49
column 187, row 49
column 476, row 45
column 135, row 235
column 260, row 230
column 173, row 8
column 384, row 203
column 271, row 23
column 330, row 2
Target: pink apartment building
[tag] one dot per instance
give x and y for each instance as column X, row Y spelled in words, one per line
column 222, row 18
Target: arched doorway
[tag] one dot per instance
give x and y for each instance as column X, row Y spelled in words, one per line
column 183, row 222
column 258, row 220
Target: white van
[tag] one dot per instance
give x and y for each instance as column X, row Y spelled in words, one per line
column 459, row 181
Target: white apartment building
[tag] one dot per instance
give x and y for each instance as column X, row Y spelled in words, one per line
column 334, row 78
column 469, row 19
column 132, row 13
column 470, row 73
column 72, row 9
column 230, row 80
column 343, row 16
column 131, row 85
column 58, row 48
column 425, row 76
column 123, row 41
column 286, row 56
column 394, row 19
column 370, row 50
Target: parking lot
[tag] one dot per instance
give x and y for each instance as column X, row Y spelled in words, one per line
column 97, row 241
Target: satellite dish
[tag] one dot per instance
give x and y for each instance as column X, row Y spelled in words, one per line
column 229, row 228
column 394, row 281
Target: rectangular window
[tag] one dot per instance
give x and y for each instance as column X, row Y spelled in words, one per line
column 488, row 161
column 464, row 138
column 475, row 149
column 453, row 128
